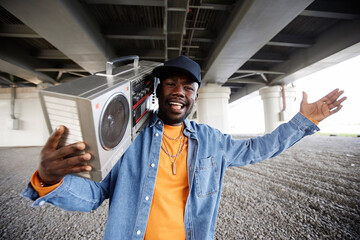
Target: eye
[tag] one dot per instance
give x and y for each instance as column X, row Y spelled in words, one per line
column 189, row 88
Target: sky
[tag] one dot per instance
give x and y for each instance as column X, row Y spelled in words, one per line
column 247, row 117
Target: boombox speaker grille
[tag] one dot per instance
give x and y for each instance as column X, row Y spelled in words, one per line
column 113, row 122
column 64, row 112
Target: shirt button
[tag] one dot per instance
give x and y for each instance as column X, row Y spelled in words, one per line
column 153, row 165
column 147, row 198
column 41, row 203
column 156, row 134
column 138, row 232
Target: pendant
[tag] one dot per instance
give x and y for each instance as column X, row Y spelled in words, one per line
column 174, row 168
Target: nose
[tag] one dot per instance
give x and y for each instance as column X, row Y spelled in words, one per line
column 178, row 90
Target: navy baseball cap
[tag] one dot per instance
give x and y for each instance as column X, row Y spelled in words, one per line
column 180, row 64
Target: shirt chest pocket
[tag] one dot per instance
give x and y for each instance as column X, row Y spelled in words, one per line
column 206, row 177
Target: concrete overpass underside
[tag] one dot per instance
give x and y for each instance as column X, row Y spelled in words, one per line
column 243, row 45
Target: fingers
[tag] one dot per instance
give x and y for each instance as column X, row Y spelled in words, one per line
column 337, row 103
column 55, row 137
column 333, row 101
column 52, row 171
column 76, row 164
column 329, row 95
column 335, row 110
column 332, row 97
column 50, row 153
column 78, row 169
column 77, row 160
column 69, row 149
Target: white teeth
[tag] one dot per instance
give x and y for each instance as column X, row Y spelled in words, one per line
column 174, row 103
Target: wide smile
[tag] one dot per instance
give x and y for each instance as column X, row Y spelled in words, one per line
column 176, row 105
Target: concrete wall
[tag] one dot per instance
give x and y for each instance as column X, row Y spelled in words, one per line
column 32, row 127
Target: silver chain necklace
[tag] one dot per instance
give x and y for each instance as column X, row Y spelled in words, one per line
column 179, row 137
column 180, row 150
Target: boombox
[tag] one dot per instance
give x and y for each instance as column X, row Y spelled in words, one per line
column 106, row 110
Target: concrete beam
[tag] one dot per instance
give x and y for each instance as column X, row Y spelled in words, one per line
column 348, row 10
column 120, row 32
column 155, row 3
column 143, row 53
column 65, row 25
column 20, row 70
column 337, row 45
column 16, row 61
column 17, row 31
column 50, row 54
column 176, row 22
column 247, row 90
column 332, row 15
column 246, row 80
column 159, row 3
column 252, row 25
column 259, row 72
column 61, row 69
column 269, row 57
column 340, row 43
column 286, row 40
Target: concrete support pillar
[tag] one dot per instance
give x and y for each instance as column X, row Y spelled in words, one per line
column 213, row 106
column 273, row 102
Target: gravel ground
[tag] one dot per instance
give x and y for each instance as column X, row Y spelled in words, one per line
column 309, row 192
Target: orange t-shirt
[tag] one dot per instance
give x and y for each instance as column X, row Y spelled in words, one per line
column 166, row 219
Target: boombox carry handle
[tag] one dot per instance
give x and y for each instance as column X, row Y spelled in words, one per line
column 110, row 64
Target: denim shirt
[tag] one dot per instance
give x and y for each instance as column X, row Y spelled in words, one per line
column 130, row 184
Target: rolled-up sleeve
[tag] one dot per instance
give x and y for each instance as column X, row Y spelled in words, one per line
column 73, row 194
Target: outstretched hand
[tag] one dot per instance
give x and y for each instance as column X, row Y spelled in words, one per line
column 324, row 107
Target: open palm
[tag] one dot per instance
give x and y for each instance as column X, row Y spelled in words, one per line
column 324, row 107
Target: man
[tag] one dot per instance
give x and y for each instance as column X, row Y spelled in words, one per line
column 168, row 183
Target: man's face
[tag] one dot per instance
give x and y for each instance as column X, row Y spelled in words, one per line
column 177, row 95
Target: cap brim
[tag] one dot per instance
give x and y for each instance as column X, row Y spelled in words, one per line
column 163, row 71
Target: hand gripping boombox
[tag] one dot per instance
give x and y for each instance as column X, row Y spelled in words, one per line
column 106, row 110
